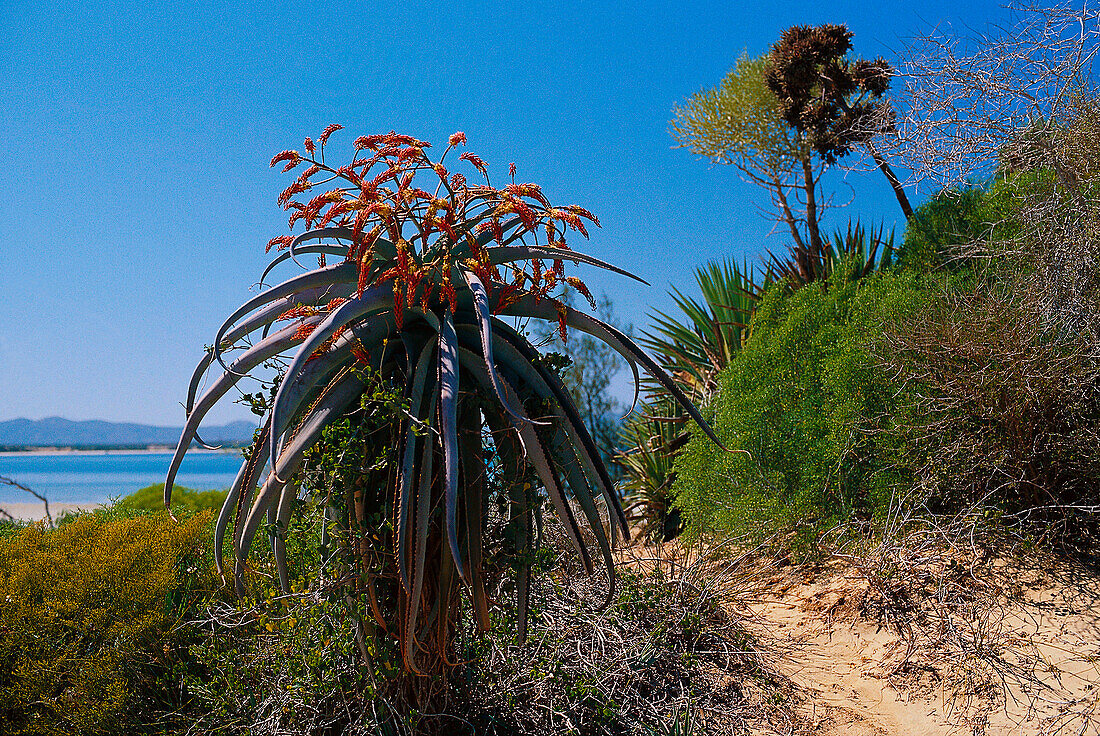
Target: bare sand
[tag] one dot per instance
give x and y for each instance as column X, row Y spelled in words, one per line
column 24, row 511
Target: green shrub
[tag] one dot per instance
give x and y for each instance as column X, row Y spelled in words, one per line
column 813, row 421
column 151, row 498
column 88, row 643
column 943, row 229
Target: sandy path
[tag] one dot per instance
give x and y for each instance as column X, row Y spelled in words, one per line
column 1048, row 643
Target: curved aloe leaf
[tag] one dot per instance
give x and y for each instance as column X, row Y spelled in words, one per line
column 448, row 413
column 342, row 273
column 271, row 346
column 527, row 307
column 506, row 253
column 407, row 479
column 485, row 329
column 376, row 299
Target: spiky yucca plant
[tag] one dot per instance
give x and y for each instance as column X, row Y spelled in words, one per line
column 418, row 300
column 693, row 345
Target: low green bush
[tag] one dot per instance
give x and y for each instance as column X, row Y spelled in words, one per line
column 814, row 422
column 89, row 642
column 151, row 498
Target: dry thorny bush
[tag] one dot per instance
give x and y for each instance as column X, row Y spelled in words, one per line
column 966, row 598
column 665, row 656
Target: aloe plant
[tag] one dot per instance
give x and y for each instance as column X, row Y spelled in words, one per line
column 421, row 299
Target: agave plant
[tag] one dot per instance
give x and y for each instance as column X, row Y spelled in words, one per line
column 697, row 344
column 856, row 252
column 694, row 346
column 421, row 299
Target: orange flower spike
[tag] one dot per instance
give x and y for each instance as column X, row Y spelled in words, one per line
column 562, row 317
column 360, row 353
column 308, row 145
column 329, row 130
column 398, row 305
column 581, row 211
column 440, row 171
column 580, row 286
column 474, row 159
column 304, row 331
column 458, row 181
column 297, row 313
column 293, row 157
column 559, row 268
column 283, row 241
column 457, row 139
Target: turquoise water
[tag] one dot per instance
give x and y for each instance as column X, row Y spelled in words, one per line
column 80, row 478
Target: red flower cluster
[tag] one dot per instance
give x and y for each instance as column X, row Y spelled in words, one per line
column 433, row 228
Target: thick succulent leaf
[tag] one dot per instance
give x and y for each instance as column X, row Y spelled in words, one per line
column 282, row 340
column 331, row 404
column 485, row 329
column 328, row 249
column 508, row 253
column 528, row 307
column 407, row 479
column 239, row 494
column 376, row 299
column 381, row 245
column 421, row 522
column 342, row 273
column 448, row 430
column 564, row 451
column 526, row 355
column 262, row 318
column 473, row 496
column 536, row 456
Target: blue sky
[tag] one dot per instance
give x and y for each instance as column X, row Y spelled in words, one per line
column 137, row 197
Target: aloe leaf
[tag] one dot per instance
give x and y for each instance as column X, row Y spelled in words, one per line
column 527, row 307
column 407, row 478
column 420, row 557
column 244, row 483
column 378, row 298
column 506, row 253
column 565, row 452
column 342, row 233
column 341, row 273
column 333, row 402
column 525, row 354
column 485, row 328
column 262, row 318
column 448, row 408
column 271, row 346
column 473, row 483
column 328, row 249
column 536, row 456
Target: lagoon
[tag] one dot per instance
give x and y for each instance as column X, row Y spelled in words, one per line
column 97, row 477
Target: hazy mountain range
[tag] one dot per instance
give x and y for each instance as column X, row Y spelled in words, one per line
column 58, row 432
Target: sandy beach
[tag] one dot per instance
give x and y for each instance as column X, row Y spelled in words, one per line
column 24, row 511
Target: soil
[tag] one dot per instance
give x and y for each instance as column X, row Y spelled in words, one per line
column 1021, row 657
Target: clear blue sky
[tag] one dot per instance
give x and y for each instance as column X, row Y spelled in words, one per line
column 137, row 198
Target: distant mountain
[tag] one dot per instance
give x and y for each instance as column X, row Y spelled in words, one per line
column 58, row 432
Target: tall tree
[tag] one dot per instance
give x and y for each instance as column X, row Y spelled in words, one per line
column 740, row 122
column 835, row 101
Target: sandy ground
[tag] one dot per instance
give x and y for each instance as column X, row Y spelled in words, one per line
column 37, row 512
column 1033, row 665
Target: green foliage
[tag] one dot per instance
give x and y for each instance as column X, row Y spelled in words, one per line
column 151, row 498
column 810, row 416
column 845, row 256
column 739, row 122
column 88, row 637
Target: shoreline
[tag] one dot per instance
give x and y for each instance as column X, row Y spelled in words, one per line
column 35, row 511
column 56, row 451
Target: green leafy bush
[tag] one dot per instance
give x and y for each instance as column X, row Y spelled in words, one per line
column 88, row 643
column 151, row 498
column 813, row 421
